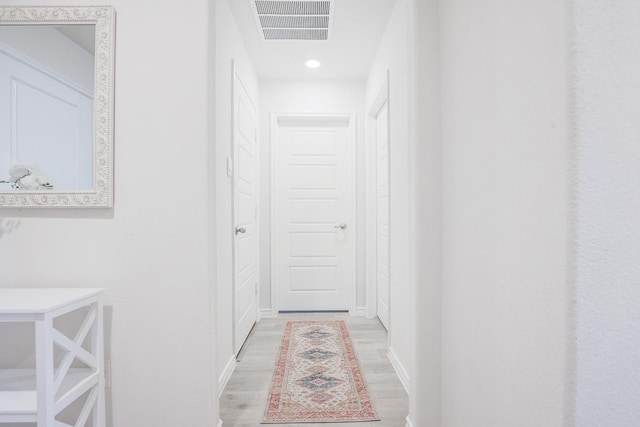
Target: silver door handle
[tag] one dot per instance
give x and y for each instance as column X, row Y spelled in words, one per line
column 343, row 226
column 241, row 230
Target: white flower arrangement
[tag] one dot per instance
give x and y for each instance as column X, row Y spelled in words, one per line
column 27, row 178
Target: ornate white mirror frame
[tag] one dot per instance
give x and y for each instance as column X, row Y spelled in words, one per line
column 101, row 194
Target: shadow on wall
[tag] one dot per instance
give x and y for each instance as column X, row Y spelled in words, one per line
column 107, row 312
column 7, row 225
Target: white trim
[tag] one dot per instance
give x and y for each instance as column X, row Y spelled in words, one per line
column 234, row 326
column 379, row 101
column 304, row 118
column 370, row 221
column 403, row 376
column 267, row 313
column 226, row 373
column 272, row 223
column 361, row 311
column 409, row 422
column 219, row 423
column 381, row 98
column 352, row 120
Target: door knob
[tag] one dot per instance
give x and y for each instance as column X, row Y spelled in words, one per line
column 241, row 230
column 342, row 226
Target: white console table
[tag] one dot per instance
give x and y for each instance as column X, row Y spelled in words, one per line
column 39, row 395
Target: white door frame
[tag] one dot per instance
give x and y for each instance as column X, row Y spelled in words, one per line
column 379, row 101
column 275, row 117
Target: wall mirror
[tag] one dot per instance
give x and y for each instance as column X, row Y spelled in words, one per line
column 56, row 106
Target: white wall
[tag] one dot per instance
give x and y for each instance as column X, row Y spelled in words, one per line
column 505, row 132
column 393, row 55
column 345, row 97
column 151, row 251
column 425, row 117
column 54, row 50
column 229, row 46
column 607, row 88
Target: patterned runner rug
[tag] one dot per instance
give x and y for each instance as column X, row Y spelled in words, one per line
column 318, row 378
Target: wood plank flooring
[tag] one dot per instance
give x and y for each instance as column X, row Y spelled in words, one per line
column 243, row 401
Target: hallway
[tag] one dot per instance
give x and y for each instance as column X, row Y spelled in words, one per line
column 514, row 145
column 243, row 401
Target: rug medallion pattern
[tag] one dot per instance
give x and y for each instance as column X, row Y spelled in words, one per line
column 318, row 377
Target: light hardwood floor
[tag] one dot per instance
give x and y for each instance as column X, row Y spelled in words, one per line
column 244, row 398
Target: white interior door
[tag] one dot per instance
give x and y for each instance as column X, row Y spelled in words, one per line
column 244, row 213
column 314, row 213
column 382, row 214
column 61, row 144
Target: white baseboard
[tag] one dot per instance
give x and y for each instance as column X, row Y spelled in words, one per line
column 409, row 422
column 219, row 423
column 267, row 312
column 225, row 375
column 400, row 370
column 361, row 311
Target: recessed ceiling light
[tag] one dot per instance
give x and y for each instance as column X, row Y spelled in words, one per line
column 312, row 63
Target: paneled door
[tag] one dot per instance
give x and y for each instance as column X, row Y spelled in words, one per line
column 314, row 212
column 244, row 213
column 382, row 214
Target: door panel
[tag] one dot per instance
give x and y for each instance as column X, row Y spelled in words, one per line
column 313, row 177
column 312, row 144
column 313, row 195
column 244, row 214
column 382, row 215
column 313, row 211
column 312, row 278
column 317, row 245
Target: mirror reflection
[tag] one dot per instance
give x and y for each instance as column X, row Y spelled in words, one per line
column 46, row 107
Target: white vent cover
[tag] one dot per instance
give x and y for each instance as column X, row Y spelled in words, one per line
column 293, row 19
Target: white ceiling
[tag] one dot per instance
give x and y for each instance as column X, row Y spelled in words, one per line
column 358, row 26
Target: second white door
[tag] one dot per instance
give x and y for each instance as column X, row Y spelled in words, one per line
column 314, row 212
column 382, row 214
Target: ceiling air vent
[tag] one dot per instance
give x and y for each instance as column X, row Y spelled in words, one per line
column 293, row 19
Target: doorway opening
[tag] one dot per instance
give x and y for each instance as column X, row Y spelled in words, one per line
column 329, row 168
